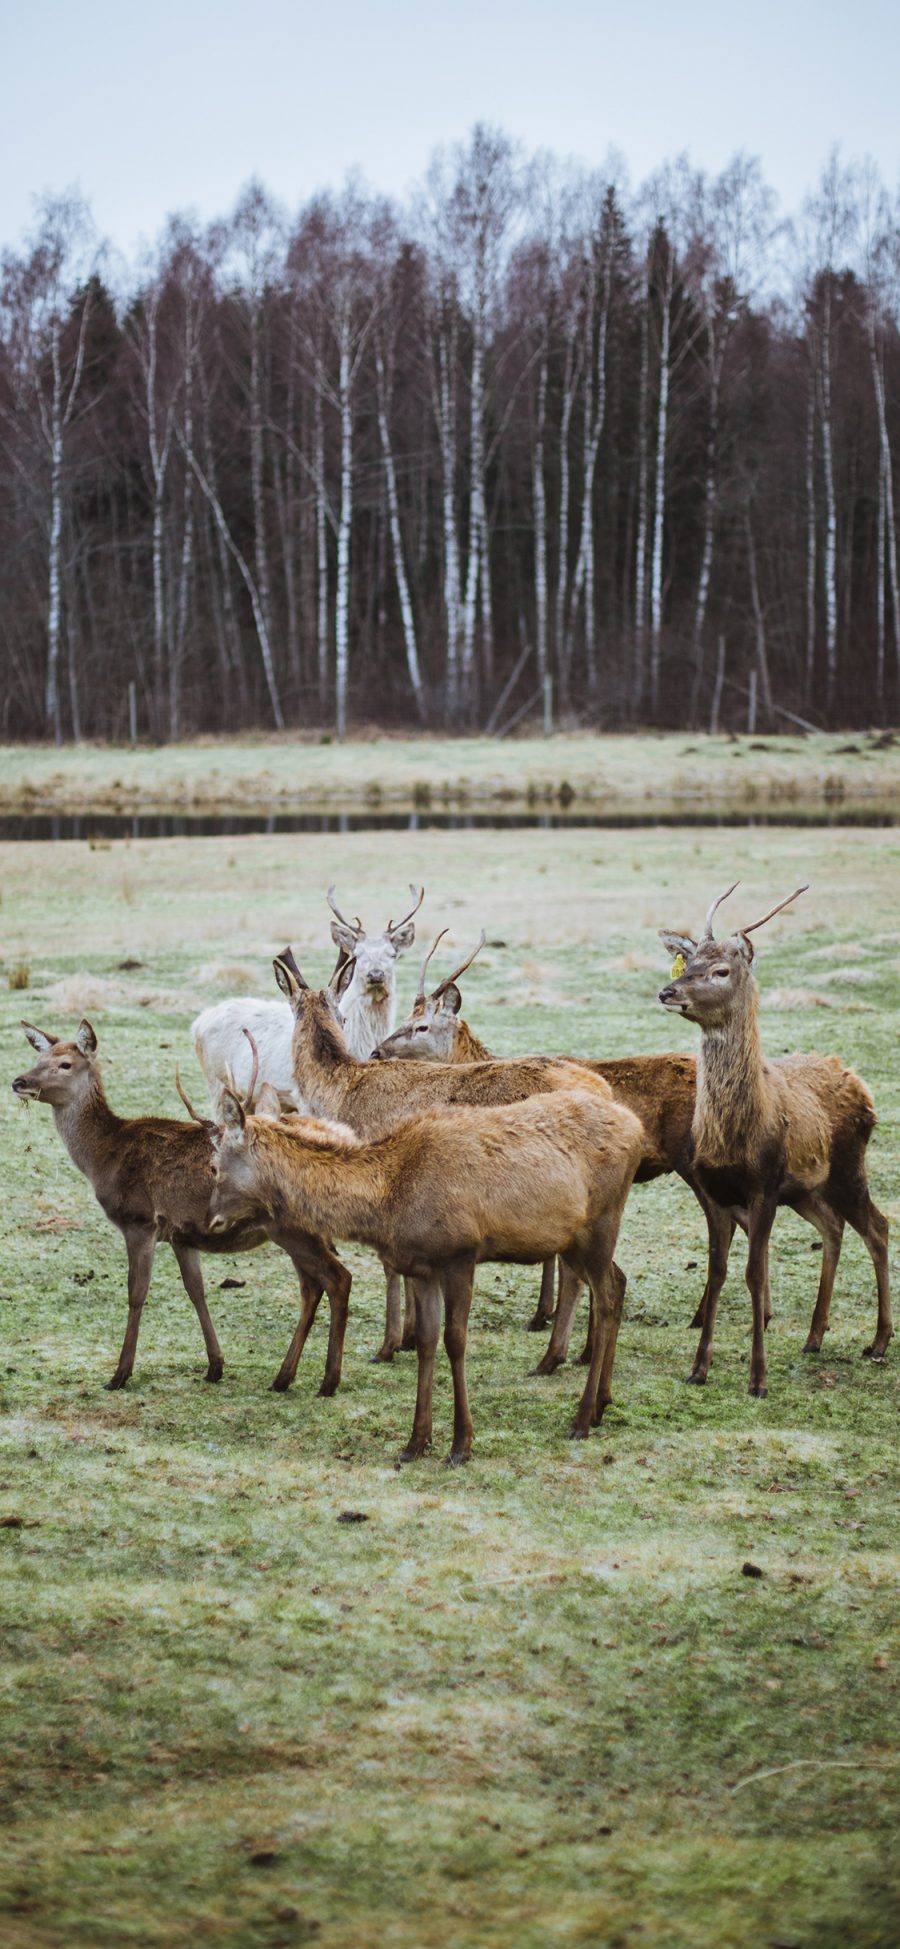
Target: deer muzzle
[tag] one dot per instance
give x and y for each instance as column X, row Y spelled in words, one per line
column 23, row 1086
column 672, row 999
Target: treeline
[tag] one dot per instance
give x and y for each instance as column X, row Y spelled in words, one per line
column 534, row 445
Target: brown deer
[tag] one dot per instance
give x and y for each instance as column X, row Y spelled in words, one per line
column 443, row 1191
column 152, row 1176
column 659, row 1089
column 767, row 1133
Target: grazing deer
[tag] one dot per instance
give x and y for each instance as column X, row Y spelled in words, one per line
column 152, row 1176
column 767, row 1133
column 368, row 1007
column 659, row 1089
column 443, row 1191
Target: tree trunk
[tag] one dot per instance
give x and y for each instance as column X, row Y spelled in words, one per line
column 810, row 664
column 342, row 598
column 51, row 701
column 390, row 477
column 570, row 380
column 321, row 557
column 762, row 661
column 830, row 505
column 640, row 548
column 659, row 507
column 540, row 520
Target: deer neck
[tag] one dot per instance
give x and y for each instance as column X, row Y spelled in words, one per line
column 335, row 1191
column 367, row 1023
column 730, row 1106
column 323, row 1065
column 89, row 1129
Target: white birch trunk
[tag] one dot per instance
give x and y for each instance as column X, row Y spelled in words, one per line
column 594, row 417
column 710, row 501
column 474, row 565
column 51, row 701
column 260, row 548
column 342, row 598
column 321, row 555
column 265, row 646
column 880, row 590
column 540, row 520
column 446, row 404
column 176, row 667
column 640, row 550
column 562, row 575
column 886, row 487
column 390, row 476
column 810, row 531
column 830, row 506
column 762, row 660
column 659, row 507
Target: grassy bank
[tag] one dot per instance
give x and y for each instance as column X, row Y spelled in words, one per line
column 436, row 772
column 535, row 1702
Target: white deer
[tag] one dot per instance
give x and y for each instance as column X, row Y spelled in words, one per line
column 368, row 1006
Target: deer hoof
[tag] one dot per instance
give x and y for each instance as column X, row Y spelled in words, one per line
column 697, row 1321
column 118, row 1380
column 694, row 1380
column 538, row 1323
column 759, row 1391
column 457, row 1461
column 383, row 1357
column 578, row 1432
column 548, row 1365
column 812, row 1345
column 875, row 1353
column 413, row 1453
column 281, row 1383
column 215, row 1371
column 328, row 1388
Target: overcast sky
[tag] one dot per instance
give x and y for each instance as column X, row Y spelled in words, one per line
column 174, row 105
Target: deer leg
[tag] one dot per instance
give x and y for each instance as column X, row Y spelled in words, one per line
column 558, row 1343
column 872, row 1227
column 457, row 1282
column 607, row 1294
column 428, row 1326
column 393, row 1330
column 604, row 1390
column 720, row 1227
column 192, row 1281
column 721, row 1224
column 141, row 1247
column 543, row 1312
column 310, row 1295
column 830, row 1228
column 762, row 1218
column 409, row 1316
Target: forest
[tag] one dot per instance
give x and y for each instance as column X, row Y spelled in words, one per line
column 536, row 446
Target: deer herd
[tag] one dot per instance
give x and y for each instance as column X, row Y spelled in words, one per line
column 328, row 1123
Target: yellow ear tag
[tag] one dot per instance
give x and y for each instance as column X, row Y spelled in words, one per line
column 677, row 966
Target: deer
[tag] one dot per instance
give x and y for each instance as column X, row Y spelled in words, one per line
column 152, row 1177
column 368, row 1006
column 659, row 1089
column 443, row 1191
column 792, row 1131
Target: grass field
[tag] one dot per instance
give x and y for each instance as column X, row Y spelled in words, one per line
column 531, row 1702
column 580, row 770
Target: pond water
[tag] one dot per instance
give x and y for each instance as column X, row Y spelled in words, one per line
column 92, row 826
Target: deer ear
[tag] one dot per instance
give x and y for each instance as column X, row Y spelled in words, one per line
column 744, row 947
column 231, row 1111
column 402, row 936
column 451, row 999
column 678, row 943
column 38, row 1039
column 287, row 980
column 344, row 937
column 86, row 1040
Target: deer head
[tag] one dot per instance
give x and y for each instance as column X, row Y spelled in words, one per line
column 710, row 976
column 64, row 1070
column 431, row 1030
column 373, row 956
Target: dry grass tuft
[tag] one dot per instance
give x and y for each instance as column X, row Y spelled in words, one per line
column 19, row 975
column 233, row 975
column 83, row 993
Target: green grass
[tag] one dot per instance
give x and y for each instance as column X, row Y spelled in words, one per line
column 627, row 772
column 532, row 1702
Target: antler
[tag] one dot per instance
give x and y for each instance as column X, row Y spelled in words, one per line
column 251, row 1088
column 450, row 978
column 355, row 926
column 393, row 925
column 776, row 910
column 187, row 1101
column 707, row 924
column 420, row 991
